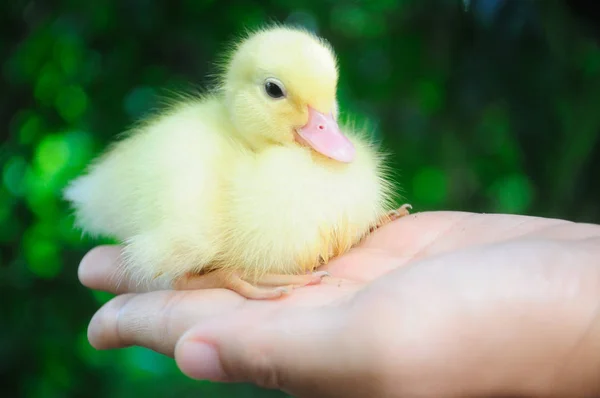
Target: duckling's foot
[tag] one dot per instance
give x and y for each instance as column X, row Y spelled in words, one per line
column 293, row 280
column 393, row 215
column 400, row 212
column 219, row 279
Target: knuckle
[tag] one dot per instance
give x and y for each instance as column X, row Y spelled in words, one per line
column 105, row 329
column 265, row 374
column 166, row 333
column 124, row 322
column 251, row 364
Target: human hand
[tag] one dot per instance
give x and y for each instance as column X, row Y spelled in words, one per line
column 438, row 304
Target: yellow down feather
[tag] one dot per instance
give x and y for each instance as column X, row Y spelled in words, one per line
column 218, row 182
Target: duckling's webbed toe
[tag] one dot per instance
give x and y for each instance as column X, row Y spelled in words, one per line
column 295, row 281
column 269, row 286
column 393, row 215
column 400, row 212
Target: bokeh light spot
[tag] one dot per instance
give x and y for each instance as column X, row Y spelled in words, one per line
column 71, row 102
column 43, row 257
column 139, row 101
column 512, row 194
column 13, row 175
column 52, row 154
column 68, row 54
column 48, row 84
column 81, row 148
column 41, row 193
column 31, row 127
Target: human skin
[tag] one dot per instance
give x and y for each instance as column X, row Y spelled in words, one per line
column 436, row 304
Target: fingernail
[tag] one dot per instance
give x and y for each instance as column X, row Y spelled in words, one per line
column 283, row 290
column 201, row 361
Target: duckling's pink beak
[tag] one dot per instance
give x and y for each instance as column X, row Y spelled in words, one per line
column 323, row 134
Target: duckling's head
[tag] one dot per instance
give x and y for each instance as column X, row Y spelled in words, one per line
column 280, row 87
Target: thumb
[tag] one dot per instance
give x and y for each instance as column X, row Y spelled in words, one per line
column 307, row 353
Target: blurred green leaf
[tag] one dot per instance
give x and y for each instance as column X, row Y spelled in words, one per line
column 42, row 254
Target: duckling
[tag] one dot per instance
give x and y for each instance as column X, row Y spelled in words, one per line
column 250, row 186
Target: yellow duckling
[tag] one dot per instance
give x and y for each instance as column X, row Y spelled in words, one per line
column 250, row 187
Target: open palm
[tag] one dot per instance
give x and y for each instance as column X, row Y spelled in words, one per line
column 408, row 240
column 426, row 265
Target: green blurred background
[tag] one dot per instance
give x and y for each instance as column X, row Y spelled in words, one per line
column 488, row 106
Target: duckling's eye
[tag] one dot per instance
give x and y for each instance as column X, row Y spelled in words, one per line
column 274, row 89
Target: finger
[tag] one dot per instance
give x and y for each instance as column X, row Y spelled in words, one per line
column 100, row 269
column 426, row 234
column 155, row 320
column 305, row 353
